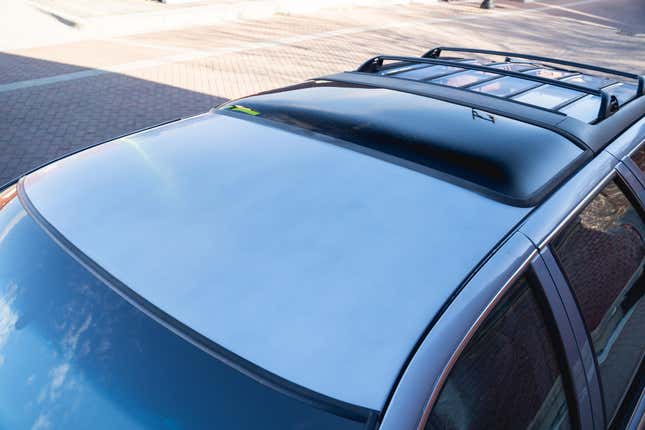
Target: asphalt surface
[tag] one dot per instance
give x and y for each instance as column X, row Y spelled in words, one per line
column 65, row 96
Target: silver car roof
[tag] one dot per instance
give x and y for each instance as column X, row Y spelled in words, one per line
column 320, row 264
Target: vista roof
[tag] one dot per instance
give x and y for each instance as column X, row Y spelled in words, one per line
column 314, row 261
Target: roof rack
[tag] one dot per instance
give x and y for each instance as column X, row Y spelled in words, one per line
column 640, row 79
column 592, row 135
column 608, row 104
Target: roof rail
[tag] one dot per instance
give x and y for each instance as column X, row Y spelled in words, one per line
column 436, row 52
column 608, row 104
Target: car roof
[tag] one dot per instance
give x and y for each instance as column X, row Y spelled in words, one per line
column 318, row 262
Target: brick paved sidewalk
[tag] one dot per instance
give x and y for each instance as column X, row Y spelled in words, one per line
column 59, row 98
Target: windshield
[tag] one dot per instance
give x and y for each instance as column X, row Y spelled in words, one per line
column 76, row 355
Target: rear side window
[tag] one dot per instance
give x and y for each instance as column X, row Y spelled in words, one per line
column 509, row 375
column 602, row 254
column 638, row 157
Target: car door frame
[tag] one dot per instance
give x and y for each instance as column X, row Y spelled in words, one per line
column 427, row 371
column 613, row 163
column 421, row 380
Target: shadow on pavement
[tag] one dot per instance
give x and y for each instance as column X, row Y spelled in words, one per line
column 41, row 122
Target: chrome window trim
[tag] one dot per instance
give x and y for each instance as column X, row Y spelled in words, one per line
column 626, row 137
column 470, row 333
column 578, row 208
column 634, row 149
column 614, row 174
column 503, row 290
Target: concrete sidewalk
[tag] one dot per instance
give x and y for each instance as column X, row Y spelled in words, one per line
column 63, row 21
column 62, row 97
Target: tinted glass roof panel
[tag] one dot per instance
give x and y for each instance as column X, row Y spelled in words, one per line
column 429, row 72
column 589, row 81
column 513, row 66
column 549, row 73
column 399, row 69
column 623, row 92
column 463, row 79
column 505, row 86
column 586, row 109
column 548, row 96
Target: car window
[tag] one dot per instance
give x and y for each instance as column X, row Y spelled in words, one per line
column 602, row 253
column 638, row 157
column 509, row 375
column 75, row 354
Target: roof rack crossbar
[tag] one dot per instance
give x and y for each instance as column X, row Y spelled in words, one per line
column 436, row 52
column 607, row 104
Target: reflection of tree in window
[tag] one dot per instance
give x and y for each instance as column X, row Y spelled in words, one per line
column 602, row 253
column 639, row 158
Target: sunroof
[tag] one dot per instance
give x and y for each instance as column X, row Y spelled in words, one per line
column 589, row 81
column 462, row 79
column 513, row 67
column 585, row 109
column 408, row 67
column 505, row 86
column 623, row 92
column 427, row 72
column 548, row 96
column 549, row 73
column 572, row 93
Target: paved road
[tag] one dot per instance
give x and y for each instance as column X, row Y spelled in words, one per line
column 58, row 98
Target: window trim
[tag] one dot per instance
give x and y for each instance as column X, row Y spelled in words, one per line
column 560, row 279
column 595, row 401
column 465, row 340
column 631, row 165
column 578, row 208
column 559, row 330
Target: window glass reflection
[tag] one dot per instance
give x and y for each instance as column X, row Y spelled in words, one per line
column 505, row 86
column 602, row 254
column 508, row 377
column 76, row 355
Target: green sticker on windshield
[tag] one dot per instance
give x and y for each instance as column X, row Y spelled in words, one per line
column 243, row 109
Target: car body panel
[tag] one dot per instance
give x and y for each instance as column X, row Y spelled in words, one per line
column 422, row 376
column 320, row 264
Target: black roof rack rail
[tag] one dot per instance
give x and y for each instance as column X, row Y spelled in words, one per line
column 640, row 79
column 608, row 104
